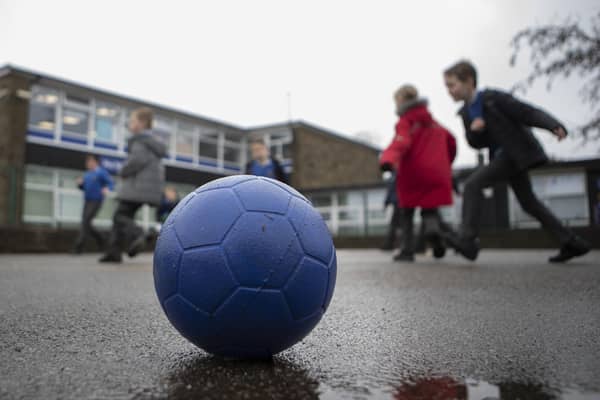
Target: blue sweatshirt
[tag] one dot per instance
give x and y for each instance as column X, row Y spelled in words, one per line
column 93, row 183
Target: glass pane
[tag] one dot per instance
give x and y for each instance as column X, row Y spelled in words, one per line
column 75, row 121
column 38, row 175
column 41, row 116
column 108, row 209
column 107, row 122
column 350, row 231
column 321, row 200
column 70, row 205
column 375, row 198
column 208, row 150
column 38, row 203
column 82, row 101
column 232, row 154
column 185, row 143
column 349, row 215
column 569, row 207
column 45, row 96
column 350, row 199
column 287, row 151
column 68, row 178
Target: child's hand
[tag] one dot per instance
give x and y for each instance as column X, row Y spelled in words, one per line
column 478, row 125
column 560, row 133
column 105, row 191
column 79, row 181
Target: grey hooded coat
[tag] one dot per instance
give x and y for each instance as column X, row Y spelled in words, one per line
column 143, row 174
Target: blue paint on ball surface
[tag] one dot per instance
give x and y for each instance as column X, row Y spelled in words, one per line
column 244, row 267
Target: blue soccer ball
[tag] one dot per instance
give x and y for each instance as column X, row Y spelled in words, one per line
column 244, row 267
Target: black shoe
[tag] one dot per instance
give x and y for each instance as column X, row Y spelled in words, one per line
column 404, row 257
column 468, row 248
column 439, row 248
column 111, row 258
column 575, row 247
column 137, row 246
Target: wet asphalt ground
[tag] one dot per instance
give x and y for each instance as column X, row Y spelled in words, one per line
column 510, row 326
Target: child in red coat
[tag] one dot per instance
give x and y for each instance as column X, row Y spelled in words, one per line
column 422, row 153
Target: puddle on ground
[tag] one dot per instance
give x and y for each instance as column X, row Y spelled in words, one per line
column 211, row 377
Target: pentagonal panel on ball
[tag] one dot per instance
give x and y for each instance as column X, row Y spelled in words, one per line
column 262, row 250
column 260, row 195
column 207, row 217
column 205, row 280
column 307, row 288
column 287, row 188
column 226, row 182
column 262, row 314
column 312, row 231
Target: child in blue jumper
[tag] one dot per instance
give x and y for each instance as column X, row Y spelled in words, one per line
column 95, row 185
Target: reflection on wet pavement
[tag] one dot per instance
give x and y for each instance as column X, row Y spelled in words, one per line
column 203, row 376
column 445, row 388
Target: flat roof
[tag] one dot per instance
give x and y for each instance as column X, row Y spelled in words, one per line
column 38, row 76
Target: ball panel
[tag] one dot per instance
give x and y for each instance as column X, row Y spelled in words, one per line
column 262, row 250
column 193, row 324
column 198, row 224
column 167, row 255
column 312, row 231
column 226, row 182
column 332, row 280
column 262, row 314
column 300, row 330
column 260, row 195
column 307, row 288
column 204, row 278
column 287, row 188
column 182, row 203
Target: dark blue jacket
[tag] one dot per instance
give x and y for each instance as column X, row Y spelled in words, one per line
column 93, row 183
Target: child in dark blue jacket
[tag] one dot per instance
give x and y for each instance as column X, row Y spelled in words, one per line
column 95, row 184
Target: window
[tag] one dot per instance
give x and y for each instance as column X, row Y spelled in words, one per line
column 321, row 200
column 162, row 128
column 75, row 121
column 38, row 203
column 42, row 109
column 185, row 140
column 232, row 153
column 107, row 122
column 70, row 206
column 287, row 150
column 209, row 145
column 564, row 193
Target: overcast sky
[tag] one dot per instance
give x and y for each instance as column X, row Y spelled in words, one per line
column 340, row 60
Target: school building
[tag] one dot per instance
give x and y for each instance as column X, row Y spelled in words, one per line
column 48, row 125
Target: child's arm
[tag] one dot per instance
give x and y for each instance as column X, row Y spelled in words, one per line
column 526, row 113
column 401, row 143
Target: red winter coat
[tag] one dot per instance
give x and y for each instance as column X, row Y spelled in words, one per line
column 422, row 152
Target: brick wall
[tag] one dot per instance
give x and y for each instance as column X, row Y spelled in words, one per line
column 322, row 160
column 13, row 126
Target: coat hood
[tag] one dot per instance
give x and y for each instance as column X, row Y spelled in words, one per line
column 416, row 111
column 148, row 140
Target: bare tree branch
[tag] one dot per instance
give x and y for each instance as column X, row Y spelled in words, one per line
column 560, row 51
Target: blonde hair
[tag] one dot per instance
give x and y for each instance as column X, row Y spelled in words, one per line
column 145, row 115
column 407, row 93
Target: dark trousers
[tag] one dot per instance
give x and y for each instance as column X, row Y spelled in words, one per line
column 124, row 229
column 90, row 210
column 395, row 223
column 498, row 170
column 432, row 226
